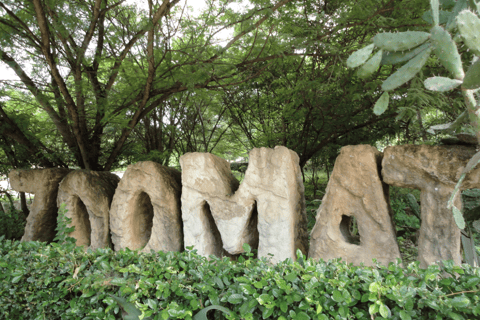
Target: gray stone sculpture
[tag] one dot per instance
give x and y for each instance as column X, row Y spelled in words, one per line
column 355, row 190
column 42, row 220
column 434, row 170
column 267, row 209
column 145, row 211
column 87, row 195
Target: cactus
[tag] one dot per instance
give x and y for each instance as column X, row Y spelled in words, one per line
column 370, row 66
column 360, row 56
column 446, row 51
column 441, row 84
column 435, row 12
column 400, row 41
column 469, row 26
column 390, row 57
column 443, row 18
column 472, row 78
column 382, row 104
column 459, row 6
column 407, row 71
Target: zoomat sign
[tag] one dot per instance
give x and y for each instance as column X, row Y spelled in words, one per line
column 158, row 208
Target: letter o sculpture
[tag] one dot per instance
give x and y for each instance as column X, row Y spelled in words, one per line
column 145, row 212
column 87, row 195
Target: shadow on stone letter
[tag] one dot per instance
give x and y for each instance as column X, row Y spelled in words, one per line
column 266, row 211
column 145, row 212
column 42, row 220
column 355, row 190
column 87, row 195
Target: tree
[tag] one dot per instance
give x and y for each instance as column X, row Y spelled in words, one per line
column 307, row 99
column 99, row 64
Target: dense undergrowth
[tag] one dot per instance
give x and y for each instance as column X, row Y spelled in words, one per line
column 40, row 281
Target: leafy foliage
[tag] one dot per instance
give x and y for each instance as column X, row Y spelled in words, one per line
column 12, row 224
column 53, row 281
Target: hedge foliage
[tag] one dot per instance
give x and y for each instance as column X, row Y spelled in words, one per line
column 40, row 281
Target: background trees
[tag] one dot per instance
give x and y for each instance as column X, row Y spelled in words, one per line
column 104, row 83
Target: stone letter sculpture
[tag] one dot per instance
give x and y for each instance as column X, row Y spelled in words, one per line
column 434, row 170
column 355, row 190
column 42, row 220
column 145, row 210
column 268, row 208
column 87, row 195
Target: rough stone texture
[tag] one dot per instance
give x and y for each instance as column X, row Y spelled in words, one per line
column 87, row 195
column 42, row 219
column 145, row 211
column 355, row 190
column 434, row 170
column 267, row 210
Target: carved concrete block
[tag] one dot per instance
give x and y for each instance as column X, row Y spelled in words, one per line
column 267, row 210
column 87, row 195
column 355, row 190
column 42, row 220
column 145, row 211
column 434, row 170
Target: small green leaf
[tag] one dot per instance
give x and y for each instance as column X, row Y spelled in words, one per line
column 264, row 298
column 455, row 316
column 337, row 296
column 374, row 287
column 373, row 308
column 460, row 302
column 404, row 315
column 382, row 104
column 291, row 276
column 385, row 311
column 235, row 298
column 302, row 316
column 458, row 216
column 441, row 84
column 267, row 312
column 360, row 56
column 118, row 281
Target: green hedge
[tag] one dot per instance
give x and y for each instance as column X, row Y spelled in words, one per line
column 40, row 281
